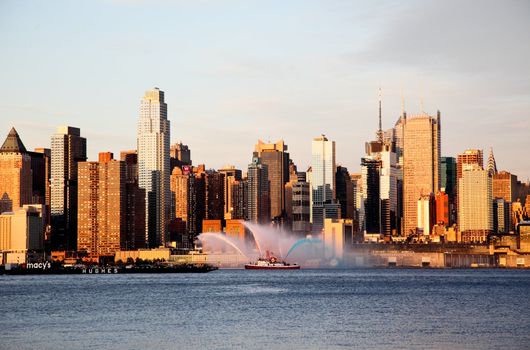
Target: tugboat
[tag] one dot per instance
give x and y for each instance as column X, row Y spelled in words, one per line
column 270, row 262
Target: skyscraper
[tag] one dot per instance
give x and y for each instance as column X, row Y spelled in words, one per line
column 16, row 182
column 154, row 165
column 322, row 179
column 275, row 157
column 475, row 208
column 381, row 165
column 231, row 176
column 258, row 203
column 135, row 203
column 68, row 149
column 370, row 175
column 421, row 164
column 214, row 195
column 344, row 192
column 102, row 205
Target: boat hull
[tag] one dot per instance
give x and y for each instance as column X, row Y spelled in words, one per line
column 264, row 267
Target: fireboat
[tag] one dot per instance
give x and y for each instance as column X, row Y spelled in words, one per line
column 270, row 262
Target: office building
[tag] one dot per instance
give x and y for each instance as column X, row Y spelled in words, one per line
column 421, row 164
column 475, row 210
column 68, row 149
column 231, row 175
column 323, row 182
column 275, row 157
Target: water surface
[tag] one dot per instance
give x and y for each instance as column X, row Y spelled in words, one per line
column 238, row 309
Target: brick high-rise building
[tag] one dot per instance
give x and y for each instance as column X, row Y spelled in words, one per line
column 421, row 164
column 16, row 182
column 68, row 149
column 102, row 207
column 504, row 185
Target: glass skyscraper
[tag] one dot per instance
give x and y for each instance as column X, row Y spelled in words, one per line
column 323, row 182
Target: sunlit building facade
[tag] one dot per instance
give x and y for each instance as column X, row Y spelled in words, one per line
column 154, row 165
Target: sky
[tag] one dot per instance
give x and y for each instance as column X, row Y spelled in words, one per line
column 237, row 71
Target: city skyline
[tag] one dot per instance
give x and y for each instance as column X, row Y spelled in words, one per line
column 322, row 69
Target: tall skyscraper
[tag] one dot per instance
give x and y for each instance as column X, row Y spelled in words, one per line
column 421, row 164
column 381, row 165
column 300, row 206
column 154, row 165
column 214, row 195
column 475, row 209
column 371, row 178
column 102, row 207
column 135, row 203
column 344, row 192
column 276, row 158
column 16, row 182
column 196, row 203
column 68, row 149
column 258, row 203
column 231, row 176
column 323, row 185
column 239, row 200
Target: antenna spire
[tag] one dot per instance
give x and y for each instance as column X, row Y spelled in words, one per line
column 380, row 130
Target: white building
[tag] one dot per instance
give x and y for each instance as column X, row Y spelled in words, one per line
column 154, row 165
column 475, row 204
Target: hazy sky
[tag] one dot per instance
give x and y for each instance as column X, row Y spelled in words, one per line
column 236, row 71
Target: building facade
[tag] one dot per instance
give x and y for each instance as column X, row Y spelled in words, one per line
column 275, row 157
column 323, row 182
column 68, row 149
column 16, row 177
column 421, row 164
column 258, row 202
column 102, row 207
column 154, row 165
column 475, row 210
